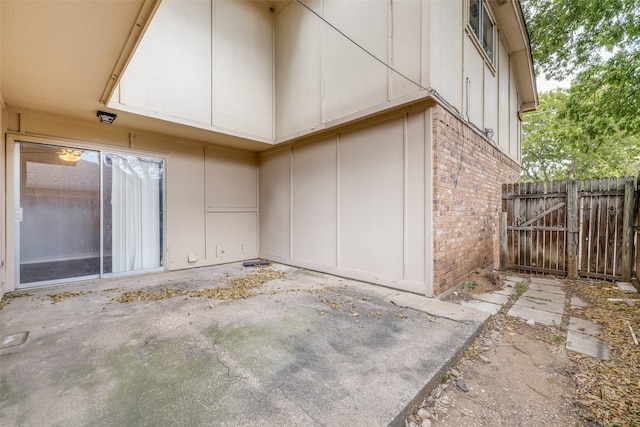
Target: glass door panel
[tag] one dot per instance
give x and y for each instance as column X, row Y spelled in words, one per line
column 133, row 203
column 58, row 214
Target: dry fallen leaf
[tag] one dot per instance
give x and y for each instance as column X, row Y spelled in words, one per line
column 238, row 288
column 65, row 295
column 6, row 298
column 610, row 389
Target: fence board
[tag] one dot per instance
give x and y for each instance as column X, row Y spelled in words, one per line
column 561, row 244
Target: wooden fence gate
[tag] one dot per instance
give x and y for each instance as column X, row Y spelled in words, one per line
column 574, row 228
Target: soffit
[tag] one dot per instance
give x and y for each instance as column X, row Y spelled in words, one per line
column 511, row 22
column 57, row 56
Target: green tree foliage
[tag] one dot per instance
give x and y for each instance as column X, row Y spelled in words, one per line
column 570, row 36
column 555, row 147
column 594, row 126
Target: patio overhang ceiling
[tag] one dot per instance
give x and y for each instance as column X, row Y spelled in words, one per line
column 57, row 56
column 64, row 58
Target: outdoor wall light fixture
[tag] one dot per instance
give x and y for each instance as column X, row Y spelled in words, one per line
column 69, row 155
column 105, row 117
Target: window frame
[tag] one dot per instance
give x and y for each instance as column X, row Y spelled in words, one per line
column 477, row 32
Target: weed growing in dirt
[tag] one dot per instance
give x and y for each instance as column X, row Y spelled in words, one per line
column 469, row 284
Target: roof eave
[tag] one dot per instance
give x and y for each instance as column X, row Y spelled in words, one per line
column 511, row 22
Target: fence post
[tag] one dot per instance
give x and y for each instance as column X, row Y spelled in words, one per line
column 572, row 229
column 503, row 242
column 626, row 265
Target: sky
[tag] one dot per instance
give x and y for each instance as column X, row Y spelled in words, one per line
column 545, row 85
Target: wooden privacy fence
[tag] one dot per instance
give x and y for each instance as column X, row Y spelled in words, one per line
column 574, row 228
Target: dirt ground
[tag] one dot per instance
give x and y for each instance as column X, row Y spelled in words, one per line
column 514, row 376
column 521, row 375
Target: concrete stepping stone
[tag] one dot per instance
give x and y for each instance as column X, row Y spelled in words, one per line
column 493, row 297
column 439, row 308
column 578, row 303
column 553, row 289
column 540, row 304
column 584, row 327
column 627, row 287
column 543, row 281
column 545, row 296
column 483, row 306
column 539, row 316
column 507, row 291
column 586, row 344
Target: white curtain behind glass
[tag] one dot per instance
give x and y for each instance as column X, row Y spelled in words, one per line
column 135, row 203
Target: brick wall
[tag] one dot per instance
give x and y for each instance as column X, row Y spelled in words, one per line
column 468, row 172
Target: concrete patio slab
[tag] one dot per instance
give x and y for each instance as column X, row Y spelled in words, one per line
column 539, row 316
column 584, row 326
column 308, row 349
column 435, row 307
column 588, row 345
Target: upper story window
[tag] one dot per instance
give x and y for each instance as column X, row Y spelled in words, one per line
column 482, row 26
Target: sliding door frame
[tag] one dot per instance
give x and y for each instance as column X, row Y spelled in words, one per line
column 13, row 141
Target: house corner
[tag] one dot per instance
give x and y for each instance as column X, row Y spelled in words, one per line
column 468, row 173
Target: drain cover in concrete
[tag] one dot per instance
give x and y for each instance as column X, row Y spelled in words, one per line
column 13, row 340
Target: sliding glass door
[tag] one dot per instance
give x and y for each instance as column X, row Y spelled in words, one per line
column 84, row 213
